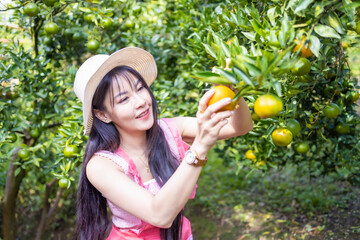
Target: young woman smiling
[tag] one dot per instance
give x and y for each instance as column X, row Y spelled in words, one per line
column 136, row 163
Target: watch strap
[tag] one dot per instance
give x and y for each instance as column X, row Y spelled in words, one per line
column 198, row 161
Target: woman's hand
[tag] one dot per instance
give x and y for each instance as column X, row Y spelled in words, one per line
column 210, row 121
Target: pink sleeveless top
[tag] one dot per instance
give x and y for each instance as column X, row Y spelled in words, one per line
column 127, row 226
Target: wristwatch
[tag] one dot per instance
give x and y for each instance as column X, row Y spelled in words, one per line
column 192, row 158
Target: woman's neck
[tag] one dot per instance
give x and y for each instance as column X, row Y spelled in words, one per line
column 134, row 143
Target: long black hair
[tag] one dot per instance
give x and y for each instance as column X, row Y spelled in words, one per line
column 92, row 218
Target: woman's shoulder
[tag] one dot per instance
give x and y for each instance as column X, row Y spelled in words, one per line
column 175, row 122
column 106, row 159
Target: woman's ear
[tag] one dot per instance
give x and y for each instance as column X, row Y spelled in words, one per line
column 102, row 116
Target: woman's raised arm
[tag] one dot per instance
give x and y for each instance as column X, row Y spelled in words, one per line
column 239, row 123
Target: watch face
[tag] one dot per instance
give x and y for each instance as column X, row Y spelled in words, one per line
column 190, row 157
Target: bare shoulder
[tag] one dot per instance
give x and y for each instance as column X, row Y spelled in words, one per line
column 98, row 167
column 187, row 127
column 179, row 122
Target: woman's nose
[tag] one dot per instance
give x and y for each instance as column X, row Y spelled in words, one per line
column 139, row 100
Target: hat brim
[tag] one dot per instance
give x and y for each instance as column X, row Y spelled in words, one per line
column 134, row 57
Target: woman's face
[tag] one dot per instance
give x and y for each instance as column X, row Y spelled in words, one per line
column 131, row 111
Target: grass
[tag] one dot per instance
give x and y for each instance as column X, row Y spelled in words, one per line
column 279, row 204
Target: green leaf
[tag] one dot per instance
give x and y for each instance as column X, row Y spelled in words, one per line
column 225, row 48
column 234, row 18
column 227, row 75
column 210, row 51
column 83, row 9
column 242, row 92
column 67, row 167
column 272, row 14
column 36, row 161
column 315, row 45
column 243, row 76
column 277, row 87
column 249, row 35
column 326, row 31
column 254, row 13
column 210, row 77
column 252, row 68
column 17, row 171
column 284, row 30
column 257, row 27
column 319, row 8
column 336, row 23
column 302, row 5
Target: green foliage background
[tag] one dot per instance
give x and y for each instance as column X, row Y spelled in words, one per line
column 188, row 39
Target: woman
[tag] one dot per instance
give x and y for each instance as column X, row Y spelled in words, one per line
column 136, row 163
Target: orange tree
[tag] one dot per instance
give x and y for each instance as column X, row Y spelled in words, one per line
column 42, row 41
column 41, row 138
column 254, row 47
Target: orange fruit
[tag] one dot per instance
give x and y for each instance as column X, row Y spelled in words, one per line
column 93, row 45
column 51, row 28
column 34, row 133
column 31, row 9
column 355, row 96
column 302, row 147
column 106, row 23
column 268, row 106
column 342, row 128
column 260, row 163
column 282, row 137
column 88, row 18
column 294, row 126
column 250, row 154
column 302, row 67
column 11, row 138
column 64, row 183
column 332, row 110
column 305, row 49
column 220, row 93
column 24, row 154
column 70, row 151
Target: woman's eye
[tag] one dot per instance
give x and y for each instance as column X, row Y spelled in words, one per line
column 123, row 99
column 140, row 88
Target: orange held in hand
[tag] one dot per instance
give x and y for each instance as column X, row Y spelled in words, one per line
column 305, row 49
column 268, row 106
column 220, row 93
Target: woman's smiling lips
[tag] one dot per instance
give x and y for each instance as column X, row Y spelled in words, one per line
column 144, row 114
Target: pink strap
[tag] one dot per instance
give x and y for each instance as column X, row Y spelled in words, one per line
column 182, row 146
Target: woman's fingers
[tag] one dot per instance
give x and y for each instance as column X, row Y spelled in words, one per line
column 218, row 117
column 215, row 107
column 210, row 119
column 203, row 103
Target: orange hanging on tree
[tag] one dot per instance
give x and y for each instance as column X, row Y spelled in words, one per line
column 305, row 48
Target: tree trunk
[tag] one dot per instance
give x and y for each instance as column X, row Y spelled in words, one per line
column 11, row 192
column 48, row 210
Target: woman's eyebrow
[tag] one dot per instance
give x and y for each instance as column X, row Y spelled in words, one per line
column 138, row 82
column 119, row 94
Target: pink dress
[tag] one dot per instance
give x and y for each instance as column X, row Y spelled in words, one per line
column 127, row 226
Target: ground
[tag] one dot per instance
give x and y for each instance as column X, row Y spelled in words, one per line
column 253, row 222
column 261, row 213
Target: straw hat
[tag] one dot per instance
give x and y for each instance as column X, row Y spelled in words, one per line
column 93, row 70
